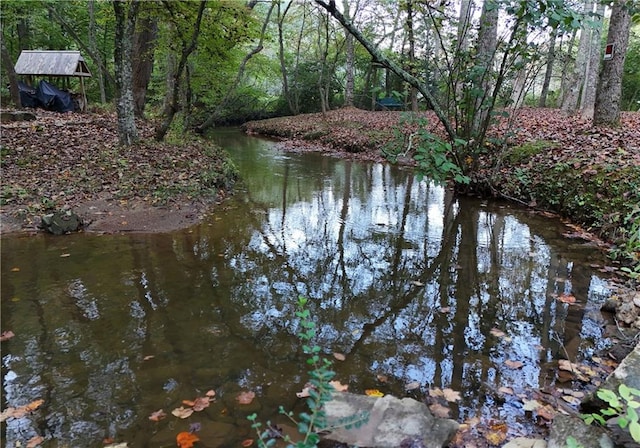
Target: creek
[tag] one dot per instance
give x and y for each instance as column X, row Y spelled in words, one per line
column 417, row 288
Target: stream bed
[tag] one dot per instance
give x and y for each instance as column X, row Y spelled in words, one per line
column 416, row 289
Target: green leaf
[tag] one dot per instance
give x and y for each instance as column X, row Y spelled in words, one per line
column 634, row 430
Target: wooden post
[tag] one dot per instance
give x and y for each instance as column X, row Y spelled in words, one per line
column 83, row 105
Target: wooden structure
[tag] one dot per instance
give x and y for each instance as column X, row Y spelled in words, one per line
column 65, row 63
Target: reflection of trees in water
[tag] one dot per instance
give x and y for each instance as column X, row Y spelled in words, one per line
column 404, row 279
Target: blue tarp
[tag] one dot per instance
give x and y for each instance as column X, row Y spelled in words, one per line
column 46, row 96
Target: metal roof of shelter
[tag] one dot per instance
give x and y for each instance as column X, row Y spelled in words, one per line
column 51, row 63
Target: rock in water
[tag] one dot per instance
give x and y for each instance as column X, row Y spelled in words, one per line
column 388, row 422
column 61, row 222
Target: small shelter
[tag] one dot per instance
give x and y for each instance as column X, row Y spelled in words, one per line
column 65, row 63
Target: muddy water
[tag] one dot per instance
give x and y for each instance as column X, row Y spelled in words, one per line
column 413, row 286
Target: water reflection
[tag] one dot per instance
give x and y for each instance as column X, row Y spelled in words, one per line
column 404, row 279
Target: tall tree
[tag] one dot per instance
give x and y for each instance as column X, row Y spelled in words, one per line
column 188, row 45
column 571, row 97
column 350, row 58
column 126, row 13
column 588, row 98
column 609, row 91
column 143, row 50
column 7, row 63
column 551, row 57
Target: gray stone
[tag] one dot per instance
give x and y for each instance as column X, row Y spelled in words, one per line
column 390, row 422
column 524, row 442
column 8, row 116
column 565, row 426
column 61, row 222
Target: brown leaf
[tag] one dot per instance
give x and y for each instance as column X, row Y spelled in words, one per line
column 451, row 395
column 6, row 335
column 567, row 298
column 339, row 356
column 246, row 397
column 200, row 403
column 338, row 386
column 35, row 441
column 513, row 364
column 439, row 411
column 182, row 412
column 158, row 415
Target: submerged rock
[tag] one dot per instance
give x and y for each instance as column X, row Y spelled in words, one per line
column 389, row 422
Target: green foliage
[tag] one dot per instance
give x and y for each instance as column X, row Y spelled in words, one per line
column 631, row 73
column 310, row 424
column 629, row 249
column 623, row 410
column 519, row 154
column 435, row 158
column 572, row 442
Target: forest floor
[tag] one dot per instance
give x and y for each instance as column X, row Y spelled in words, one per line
column 551, row 162
column 73, row 162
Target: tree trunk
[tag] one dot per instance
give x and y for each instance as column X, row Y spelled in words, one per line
column 566, row 65
column 125, row 26
column 485, row 53
column 551, row 56
column 519, row 88
column 171, row 108
column 349, row 82
column 143, row 49
column 7, row 62
column 413, row 92
column 464, row 24
column 575, row 84
column 94, row 48
column 588, row 99
column 609, row 92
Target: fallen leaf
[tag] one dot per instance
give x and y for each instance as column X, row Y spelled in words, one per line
column 575, row 401
column 20, row 411
column 566, row 298
column 247, row 443
column 339, row 386
column 182, row 412
column 303, row 393
column 412, row 385
column 546, row 412
column 65, row 255
column 246, row 397
column 6, row 335
column 148, row 357
column 16, row 269
column 497, row 333
column 513, row 364
column 186, row 439
column 451, row 395
column 439, row 411
column 200, row 403
column 210, row 393
column 188, row 402
column 157, row 415
column 339, row 356
column 495, row 438
column 445, row 309
column 506, row 390
column 382, row 378
column 436, row 392
column 531, row 405
column 373, row 393
column 416, row 283
column 35, row 441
